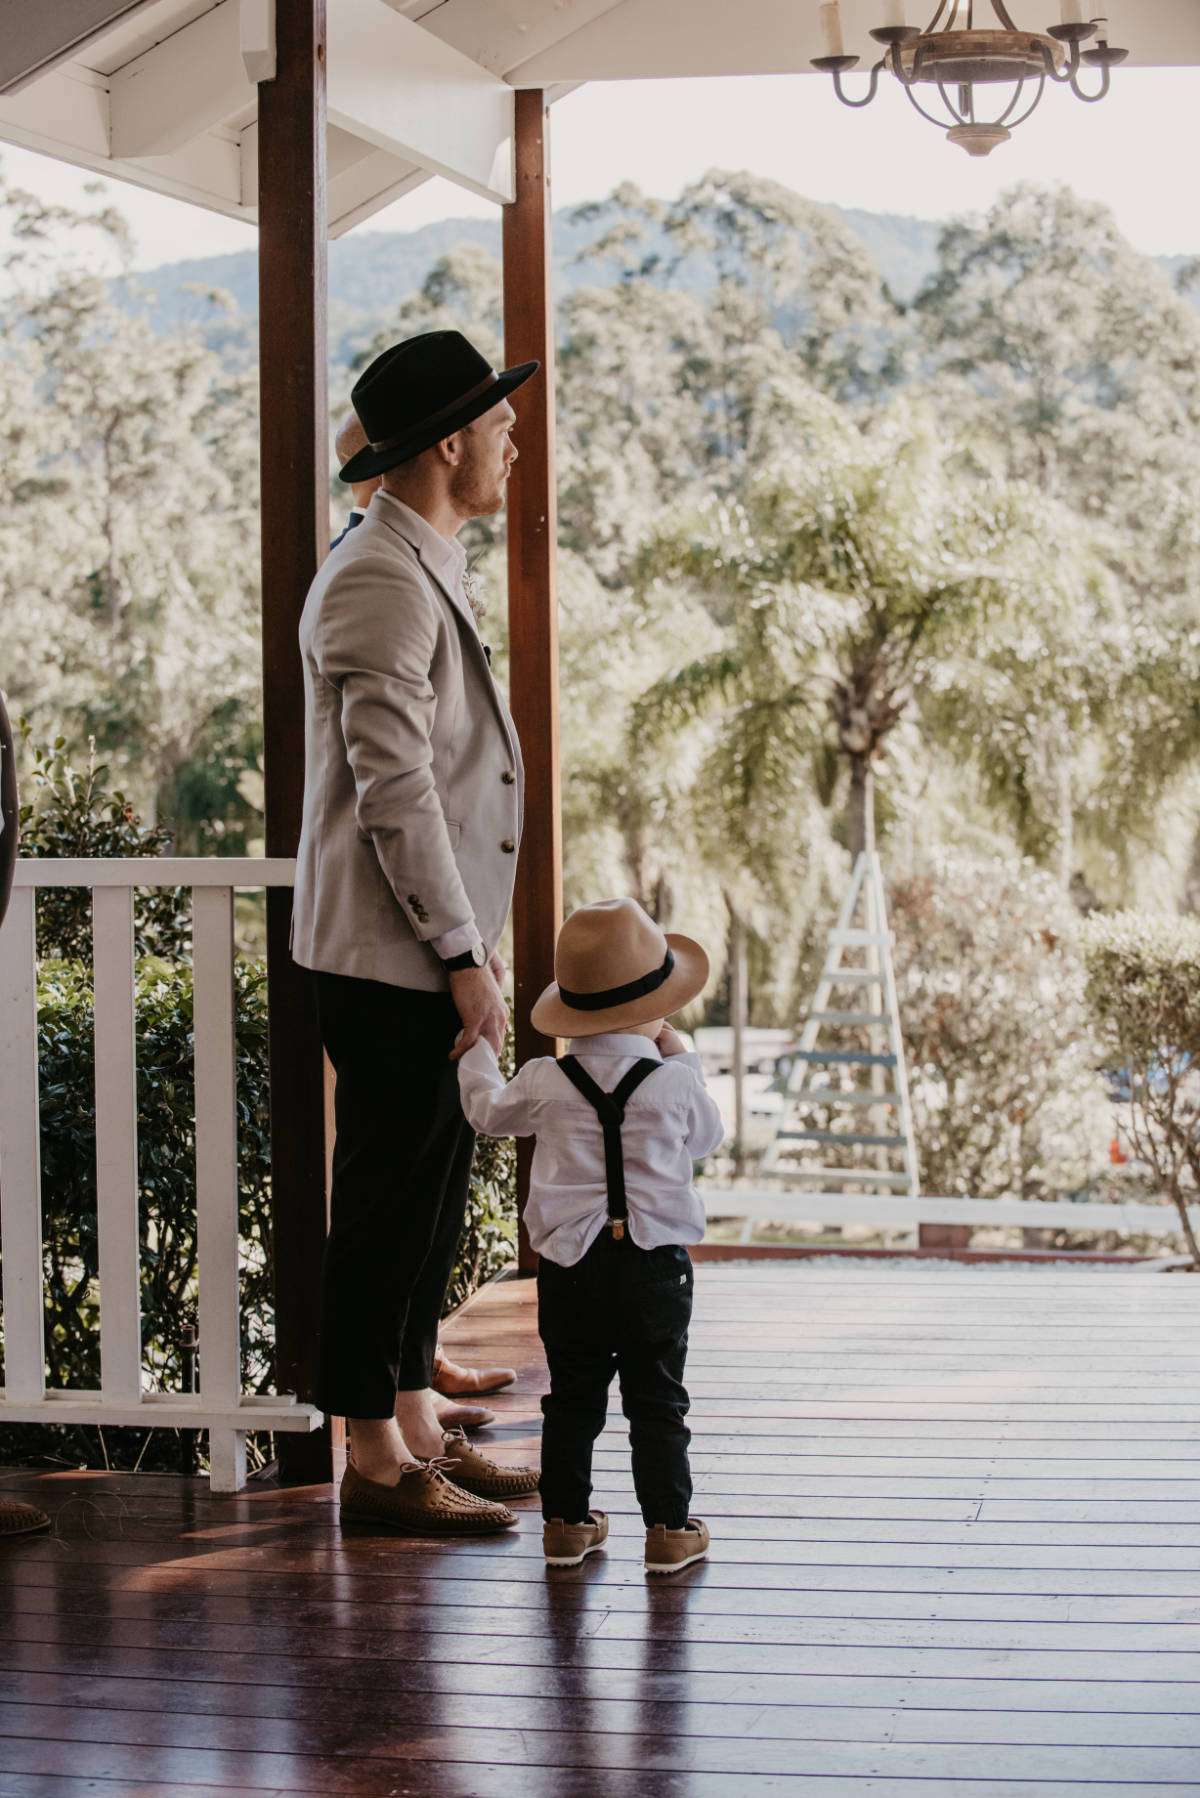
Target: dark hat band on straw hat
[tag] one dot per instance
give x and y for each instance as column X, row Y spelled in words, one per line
column 619, row 995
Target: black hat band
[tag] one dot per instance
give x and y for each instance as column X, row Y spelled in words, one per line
column 619, row 995
column 433, row 418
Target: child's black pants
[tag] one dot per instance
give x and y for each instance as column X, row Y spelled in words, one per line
column 625, row 1311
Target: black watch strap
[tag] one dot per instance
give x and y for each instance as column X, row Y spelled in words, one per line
column 470, row 958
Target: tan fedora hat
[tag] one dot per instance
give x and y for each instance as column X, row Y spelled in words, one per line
column 614, row 967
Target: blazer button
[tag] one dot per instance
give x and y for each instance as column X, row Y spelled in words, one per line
column 508, row 846
column 508, row 777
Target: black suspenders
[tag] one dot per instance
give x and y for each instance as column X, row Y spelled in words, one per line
column 610, row 1109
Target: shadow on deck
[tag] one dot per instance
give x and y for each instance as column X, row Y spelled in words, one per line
column 956, row 1549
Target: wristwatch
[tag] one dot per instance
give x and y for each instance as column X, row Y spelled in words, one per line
column 470, row 958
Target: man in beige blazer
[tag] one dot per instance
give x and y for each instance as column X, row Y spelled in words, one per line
column 408, row 849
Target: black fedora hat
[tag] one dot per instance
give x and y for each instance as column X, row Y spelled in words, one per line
column 420, row 391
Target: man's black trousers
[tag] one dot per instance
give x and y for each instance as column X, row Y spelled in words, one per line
column 625, row 1311
column 401, row 1168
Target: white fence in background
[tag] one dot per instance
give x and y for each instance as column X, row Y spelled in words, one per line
column 220, row 1407
column 887, row 1211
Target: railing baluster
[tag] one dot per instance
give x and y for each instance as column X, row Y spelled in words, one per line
column 20, row 1159
column 217, row 1176
column 116, row 1145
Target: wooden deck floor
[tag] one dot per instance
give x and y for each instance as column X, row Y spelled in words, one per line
column 956, row 1523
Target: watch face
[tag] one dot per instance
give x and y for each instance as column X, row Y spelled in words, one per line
column 480, row 954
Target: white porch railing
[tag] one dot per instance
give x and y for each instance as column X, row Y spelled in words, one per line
column 884, row 1210
column 220, row 1407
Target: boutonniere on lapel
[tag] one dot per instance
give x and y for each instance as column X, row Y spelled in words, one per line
column 472, row 591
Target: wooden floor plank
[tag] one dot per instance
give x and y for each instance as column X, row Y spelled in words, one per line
column 815, row 1714
column 956, row 1519
column 259, row 1741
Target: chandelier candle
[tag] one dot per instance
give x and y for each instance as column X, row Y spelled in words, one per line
column 831, row 28
column 1072, row 12
column 893, row 13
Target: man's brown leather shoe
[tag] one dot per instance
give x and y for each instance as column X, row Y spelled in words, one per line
column 462, row 1417
column 453, row 1381
column 475, row 1473
column 423, row 1502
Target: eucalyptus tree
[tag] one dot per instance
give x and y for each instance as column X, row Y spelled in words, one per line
column 1075, row 364
column 680, row 376
column 129, row 546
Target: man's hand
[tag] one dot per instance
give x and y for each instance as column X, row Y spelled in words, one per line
column 669, row 1042
column 480, row 1004
column 498, row 969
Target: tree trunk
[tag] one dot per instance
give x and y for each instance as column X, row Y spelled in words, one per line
column 862, row 807
column 1189, row 1235
column 738, row 1009
column 1066, row 822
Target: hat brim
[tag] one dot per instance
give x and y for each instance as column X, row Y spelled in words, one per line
column 687, row 978
column 368, row 462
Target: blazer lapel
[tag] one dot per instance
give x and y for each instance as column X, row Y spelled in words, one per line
column 470, row 631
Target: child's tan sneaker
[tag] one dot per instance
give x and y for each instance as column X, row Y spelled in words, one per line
column 565, row 1544
column 669, row 1550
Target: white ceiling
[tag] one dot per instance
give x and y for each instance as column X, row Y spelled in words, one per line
column 158, row 93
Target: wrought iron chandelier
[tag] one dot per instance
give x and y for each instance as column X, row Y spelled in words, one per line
column 956, row 57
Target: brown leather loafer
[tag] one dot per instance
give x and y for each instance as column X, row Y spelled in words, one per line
column 669, row 1551
column 17, row 1519
column 475, row 1473
column 453, row 1381
column 462, row 1417
column 566, row 1544
column 423, row 1502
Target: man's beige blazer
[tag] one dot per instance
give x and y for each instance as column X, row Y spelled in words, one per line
column 413, row 782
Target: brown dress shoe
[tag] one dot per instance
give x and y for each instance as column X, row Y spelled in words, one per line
column 462, row 1417
column 453, row 1381
column 475, row 1473
column 18, row 1519
column 423, row 1502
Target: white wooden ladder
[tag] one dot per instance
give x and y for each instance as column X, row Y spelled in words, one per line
column 825, row 1080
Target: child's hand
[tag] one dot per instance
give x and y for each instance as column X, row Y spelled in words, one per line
column 669, row 1042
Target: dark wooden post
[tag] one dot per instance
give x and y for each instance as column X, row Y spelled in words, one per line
column 532, row 589
column 295, row 536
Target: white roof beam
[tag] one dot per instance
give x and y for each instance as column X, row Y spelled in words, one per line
column 419, row 100
column 191, row 81
column 499, row 34
column 36, row 35
column 66, row 114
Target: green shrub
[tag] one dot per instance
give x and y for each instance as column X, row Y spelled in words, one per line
column 73, row 814
column 1143, row 987
column 1001, row 1063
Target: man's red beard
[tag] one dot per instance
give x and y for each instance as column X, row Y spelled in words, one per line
column 476, row 490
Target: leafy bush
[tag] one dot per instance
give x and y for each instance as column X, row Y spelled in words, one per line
column 166, row 1170
column 1143, row 987
column 73, row 815
column 1006, row 1101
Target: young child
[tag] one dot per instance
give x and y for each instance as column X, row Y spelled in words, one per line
column 619, row 1122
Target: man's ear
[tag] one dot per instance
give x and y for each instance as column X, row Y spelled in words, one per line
column 450, row 450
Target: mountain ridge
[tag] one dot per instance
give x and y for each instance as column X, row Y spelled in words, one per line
column 371, row 272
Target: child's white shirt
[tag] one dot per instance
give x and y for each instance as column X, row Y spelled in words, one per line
column 670, row 1122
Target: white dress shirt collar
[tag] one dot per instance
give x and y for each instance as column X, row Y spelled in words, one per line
column 444, row 557
column 616, row 1042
